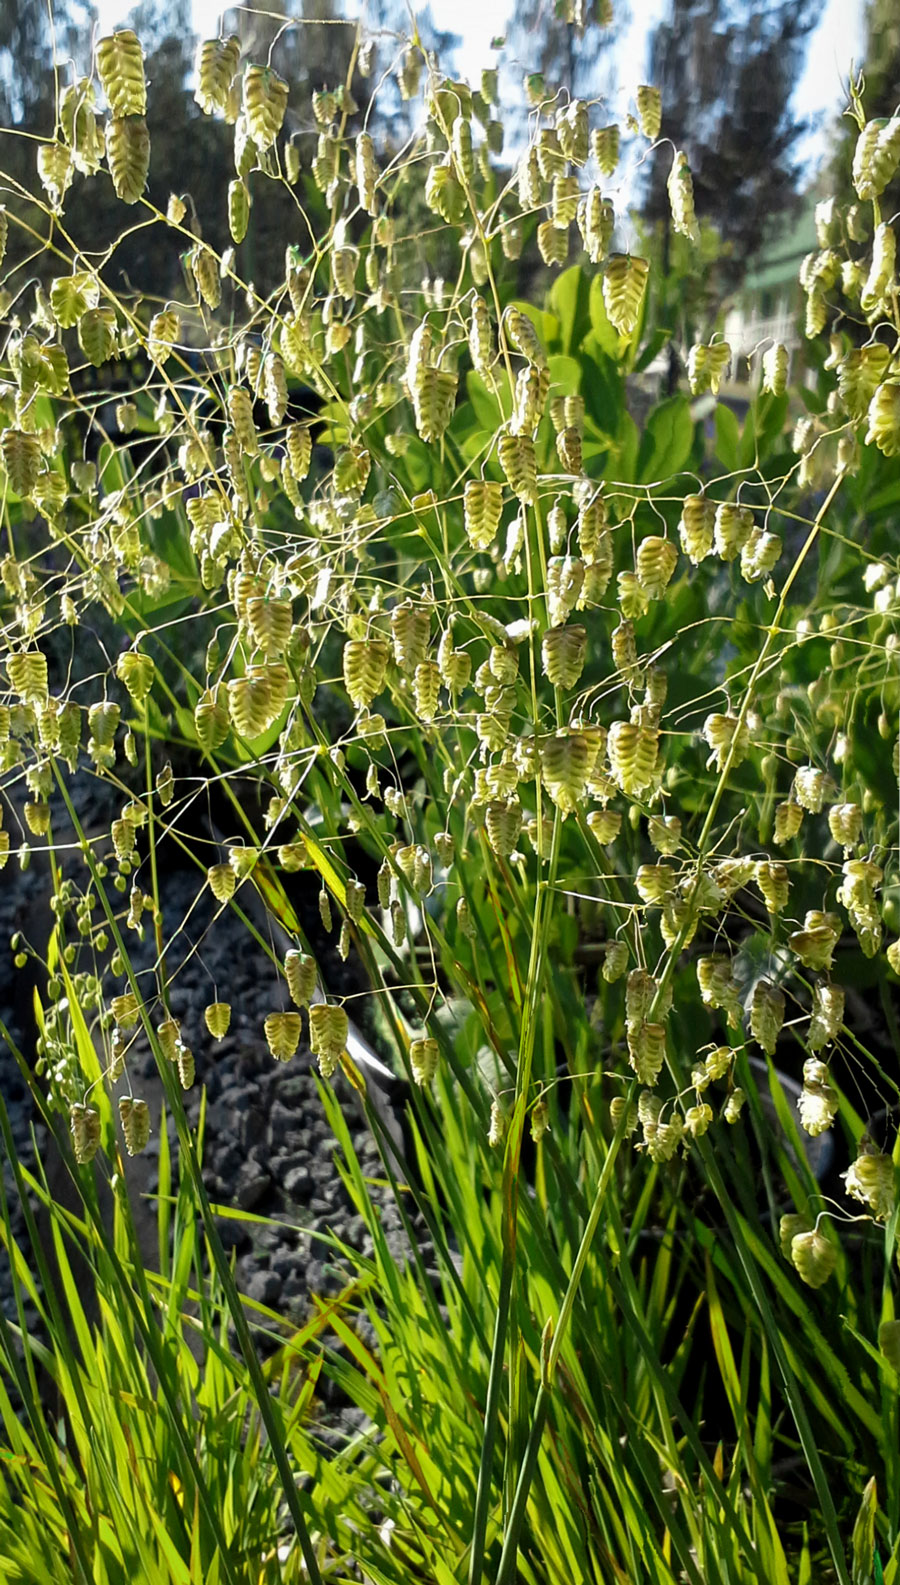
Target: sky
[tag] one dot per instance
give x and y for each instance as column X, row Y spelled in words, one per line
column 838, row 39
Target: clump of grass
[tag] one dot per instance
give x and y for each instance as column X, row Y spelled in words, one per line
column 394, row 550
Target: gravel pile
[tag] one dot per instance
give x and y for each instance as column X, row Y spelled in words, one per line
column 268, row 1149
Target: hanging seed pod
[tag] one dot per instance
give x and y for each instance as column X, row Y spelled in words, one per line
column 624, row 649
column 298, row 441
column 78, row 120
column 128, row 156
column 654, row 882
column 563, row 652
column 624, row 283
column 21, row 456
column 870, row 1179
column 766, row 1015
column 55, row 165
column 325, row 911
column 605, row 148
column 788, row 820
column 760, row 555
column 845, row 823
column 344, row 265
column 718, row 987
column 265, row 97
column 365, row 663
column 292, row 163
column 211, row 719
column 596, row 219
column 664, row 832
column 355, row 900
column 4, row 232
column 135, row 1118
column 410, row 627
column 238, row 209
column 282, row 1032
column 120, row 67
column 366, row 172
column 874, row 295
column 567, row 759
column 884, row 419
column 300, row 973
column 774, row 884
column 97, row 335
column 615, row 961
column 649, row 108
column 84, row 1122
column 646, row 1050
column 860, row 373
column 423, row 1060
column 572, row 131
column 775, row 369
column 733, row 526
column 568, row 446
column 187, row 1068
column 697, row 527
column 165, row 328
column 136, row 671
column 168, row 1033
column 657, row 559
column 604, row 825
column 565, row 580
column 480, row 338
column 205, row 271
column 632, row 751
column 564, row 201
column 217, row 62
column 217, row 1017
column 788, row 1228
column 37, row 818
column 221, row 880
column 240, row 411
column 426, row 687
column 503, row 823
column 517, row 459
column 270, row 623
column 827, row 1016
column 125, row 1010
column 433, row 400
column 680, row 188
column 814, row 945
column 550, row 157
column 523, row 337
column 728, row 738
column 329, row 1030
column 531, row 393
column 814, row 1257
column 461, row 147
column 811, row 788
column 876, row 157
column 482, row 506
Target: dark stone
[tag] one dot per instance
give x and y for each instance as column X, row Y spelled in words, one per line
column 264, row 1287
column 297, row 1182
column 252, row 1186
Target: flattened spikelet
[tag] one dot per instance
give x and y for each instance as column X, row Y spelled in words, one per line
column 128, row 156
column 135, row 1118
column 217, row 62
column 120, row 67
column 265, row 98
column 624, row 282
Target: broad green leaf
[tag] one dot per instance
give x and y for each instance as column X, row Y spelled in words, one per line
column 667, row 441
